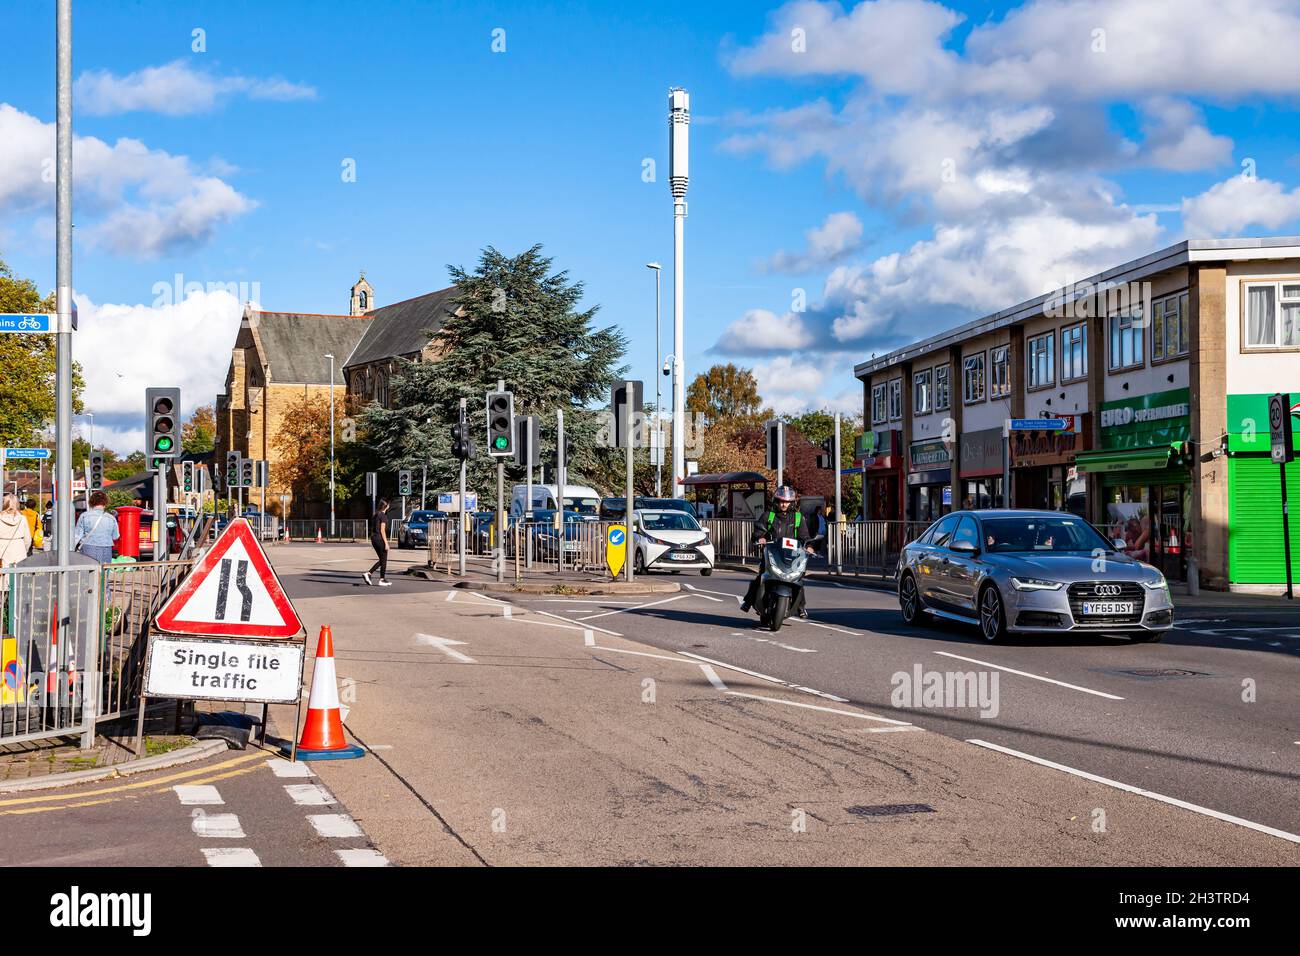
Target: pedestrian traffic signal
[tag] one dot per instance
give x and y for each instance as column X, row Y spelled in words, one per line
column 404, row 482
column 187, row 476
column 826, row 459
column 775, row 440
column 247, row 473
column 96, row 472
column 263, row 473
column 232, row 469
column 162, row 411
column 501, row 424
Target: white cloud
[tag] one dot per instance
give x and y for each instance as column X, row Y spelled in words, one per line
column 175, row 89
column 195, row 337
column 131, row 200
column 1230, row 207
column 760, row 332
column 838, row 236
column 790, row 385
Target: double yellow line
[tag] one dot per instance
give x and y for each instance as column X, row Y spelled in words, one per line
column 222, row 770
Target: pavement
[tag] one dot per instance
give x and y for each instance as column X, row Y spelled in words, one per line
column 524, row 729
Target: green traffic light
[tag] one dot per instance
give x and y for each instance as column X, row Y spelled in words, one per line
column 501, row 441
column 163, row 443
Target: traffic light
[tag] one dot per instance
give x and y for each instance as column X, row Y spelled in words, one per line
column 775, row 439
column 404, row 482
column 826, row 459
column 528, row 440
column 187, row 477
column 263, row 473
column 162, row 421
column 96, row 472
column 462, row 446
column 232, row 469
column 618, row 402
column 501, row 424
column 247, row 472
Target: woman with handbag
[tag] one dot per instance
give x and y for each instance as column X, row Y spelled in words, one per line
column 15, row 537
column 96, row 530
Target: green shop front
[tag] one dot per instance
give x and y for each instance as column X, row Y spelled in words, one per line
column 1255, row 552
column 1143, row 478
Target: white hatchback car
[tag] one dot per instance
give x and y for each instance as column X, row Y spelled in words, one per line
column 672, row 541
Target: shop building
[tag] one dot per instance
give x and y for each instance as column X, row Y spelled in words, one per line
column 1160, row 368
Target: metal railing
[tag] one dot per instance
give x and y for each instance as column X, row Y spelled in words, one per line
column 345, row 529
column 853, row 547
column 62, row 684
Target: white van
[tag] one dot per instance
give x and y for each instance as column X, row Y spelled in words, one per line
column 580, row 498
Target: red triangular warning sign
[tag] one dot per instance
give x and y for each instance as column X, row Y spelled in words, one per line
column 231, row 592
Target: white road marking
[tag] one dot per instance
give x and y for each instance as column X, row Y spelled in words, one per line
column 887, row 730
column 770, row 680
column 507, row 610
column 334, row 825
column 1129, row 788
column 284, row 768
column 220, row 826
column 230, row 856
column 713, row 677
column 362, row 858
column 451, row 595
column 825, row 710
column 638, row 607
column 444, row 644
column 198, row 795
column 578, row 601
column 536, row 610
column 588, row 638
column 725, row 594
column 831, row 627
column 709, row 597
column 619, row 650
column 309, row 794
column 379, row 746
column 787, row 647
column 1012, row 670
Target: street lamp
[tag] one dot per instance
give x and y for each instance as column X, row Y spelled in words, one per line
column 679, row 118
column 330, row 356
column 659, row 445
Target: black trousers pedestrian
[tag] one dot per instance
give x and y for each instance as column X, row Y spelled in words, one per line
column 381, row 549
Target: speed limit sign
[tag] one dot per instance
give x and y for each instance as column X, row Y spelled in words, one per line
column 1279, row 428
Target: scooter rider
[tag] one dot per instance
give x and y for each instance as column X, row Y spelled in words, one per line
column 783, row 520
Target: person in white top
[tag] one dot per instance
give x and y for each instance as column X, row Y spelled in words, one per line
column 15, row 537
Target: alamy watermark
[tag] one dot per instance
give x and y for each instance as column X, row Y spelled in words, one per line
column 1085, row 300
column 946, row 689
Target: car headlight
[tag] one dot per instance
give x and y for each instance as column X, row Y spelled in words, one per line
column 1036, row 584
column 1158, row 583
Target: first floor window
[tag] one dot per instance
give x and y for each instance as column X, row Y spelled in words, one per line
column 1273, row 315
column 1040, row 360
column 896, row 399
column 1074, row 352
column 972, row 376
column 879, row 412
column 942, row 390
column 921, row 385
column 1125, row 341
column 1169, row 331
column 999, row 376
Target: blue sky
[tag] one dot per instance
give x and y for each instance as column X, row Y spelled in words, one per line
column 950, row 159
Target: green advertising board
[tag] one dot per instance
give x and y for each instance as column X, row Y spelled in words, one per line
column 1255, row 554
column 1160, row 418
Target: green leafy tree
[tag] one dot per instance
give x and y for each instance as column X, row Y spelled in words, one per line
column 28, row 368
column 514, row 320
column 724, row 392
column 120, row 468
column 198, row 435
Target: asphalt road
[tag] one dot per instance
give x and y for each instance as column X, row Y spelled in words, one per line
column 1210, row 716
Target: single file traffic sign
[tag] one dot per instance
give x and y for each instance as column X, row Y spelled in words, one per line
column 232, row 592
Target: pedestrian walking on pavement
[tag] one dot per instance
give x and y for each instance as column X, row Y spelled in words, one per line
column 15, row 534
column 96, row 530
column 379, row 540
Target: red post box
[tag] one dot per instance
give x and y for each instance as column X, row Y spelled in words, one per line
column 128, row 530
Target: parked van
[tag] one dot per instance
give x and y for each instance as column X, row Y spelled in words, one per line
column 577, row 498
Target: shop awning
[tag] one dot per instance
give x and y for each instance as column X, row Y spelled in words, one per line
column 1126, row 459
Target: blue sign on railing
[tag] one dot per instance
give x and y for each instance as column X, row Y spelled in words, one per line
column 1038, row 424
column 25, row 322
column 27, row 453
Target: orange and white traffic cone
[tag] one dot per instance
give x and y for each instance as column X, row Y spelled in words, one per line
column 322, row 734
column 319, row 540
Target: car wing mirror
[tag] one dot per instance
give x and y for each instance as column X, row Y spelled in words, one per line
column 1119, row 544
column 964, row 547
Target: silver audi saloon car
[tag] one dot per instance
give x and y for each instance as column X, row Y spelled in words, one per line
column 1012, row 571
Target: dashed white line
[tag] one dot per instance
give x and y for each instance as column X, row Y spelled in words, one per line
column 713, row 677
column 334, row 825
column 1129, row 788
column 197, row 795
column 770, row 680
column 638, row 607
column 309, row 794
column 451, row 595
column 620, row 650
column 825, row 710
column 362, row 858
column 1048, row 680
column 285, row 768
column 588, row 638
column 831, row 627
column 220, row 826
column 230, row 856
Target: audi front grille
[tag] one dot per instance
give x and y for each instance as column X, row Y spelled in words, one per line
column 1082, row 591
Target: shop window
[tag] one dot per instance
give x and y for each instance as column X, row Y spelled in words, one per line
column 942, row 389
column 922, row 384
column 972, row 378
column 879, row 412
column 896, row 399
column 1170, row 335
column 1074, row 352
column 1125, row 341
column 999, row 372
column 1272, row 315
column 1040, row 360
